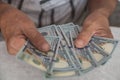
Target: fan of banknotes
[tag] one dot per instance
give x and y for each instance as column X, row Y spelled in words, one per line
column 64, row 59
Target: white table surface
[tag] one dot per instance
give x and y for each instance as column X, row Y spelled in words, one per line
column 13, row 69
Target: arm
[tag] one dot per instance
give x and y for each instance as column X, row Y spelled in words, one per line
column 16, row 27
column 96, row 22
column 105, row 7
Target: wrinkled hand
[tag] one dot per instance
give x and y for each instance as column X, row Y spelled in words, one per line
column 16, row 27
column 95, row 24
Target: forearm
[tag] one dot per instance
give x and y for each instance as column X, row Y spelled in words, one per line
column 104, row 7
column 4, row 8
column 1, row 10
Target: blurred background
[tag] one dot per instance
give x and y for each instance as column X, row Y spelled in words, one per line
column 115, row 17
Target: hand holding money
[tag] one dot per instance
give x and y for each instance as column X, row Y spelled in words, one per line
column 16, row 28
column 64, row 59
column 95, row 24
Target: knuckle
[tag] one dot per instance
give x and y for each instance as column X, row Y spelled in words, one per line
column 11, row 51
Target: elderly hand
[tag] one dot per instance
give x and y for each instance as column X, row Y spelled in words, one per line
column 16, row 27
column 95, row 24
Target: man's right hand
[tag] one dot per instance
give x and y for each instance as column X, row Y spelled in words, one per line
column 16, row 28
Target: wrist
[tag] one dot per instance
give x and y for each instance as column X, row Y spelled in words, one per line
column 102, row 12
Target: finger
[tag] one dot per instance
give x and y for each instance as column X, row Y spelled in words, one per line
column 103, row 33
column 36, row 38
column 14, row 44
column 83, row 38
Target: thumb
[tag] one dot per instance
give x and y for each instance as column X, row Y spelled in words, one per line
column 14, row 44
column 83, row 38
column 36, row 38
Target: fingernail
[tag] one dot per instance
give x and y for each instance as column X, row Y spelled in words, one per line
column 45, row 47
column 79, row 43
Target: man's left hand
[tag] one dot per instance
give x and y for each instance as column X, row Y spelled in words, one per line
column 95, row 24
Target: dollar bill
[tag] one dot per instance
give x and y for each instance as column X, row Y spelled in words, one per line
column 36, row 58
column 64, row 59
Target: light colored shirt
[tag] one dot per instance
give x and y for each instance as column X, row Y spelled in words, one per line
column 63, row 12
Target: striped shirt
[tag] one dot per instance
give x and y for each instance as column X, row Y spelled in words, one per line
column 62, row 11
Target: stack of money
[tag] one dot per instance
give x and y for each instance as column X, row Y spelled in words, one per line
column 64, row 59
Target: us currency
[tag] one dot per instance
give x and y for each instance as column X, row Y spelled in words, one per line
column 67, row 56
column 85, row 62
column 106, row 44
column 64, row 59
column 94, row 57
column 36, row 58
